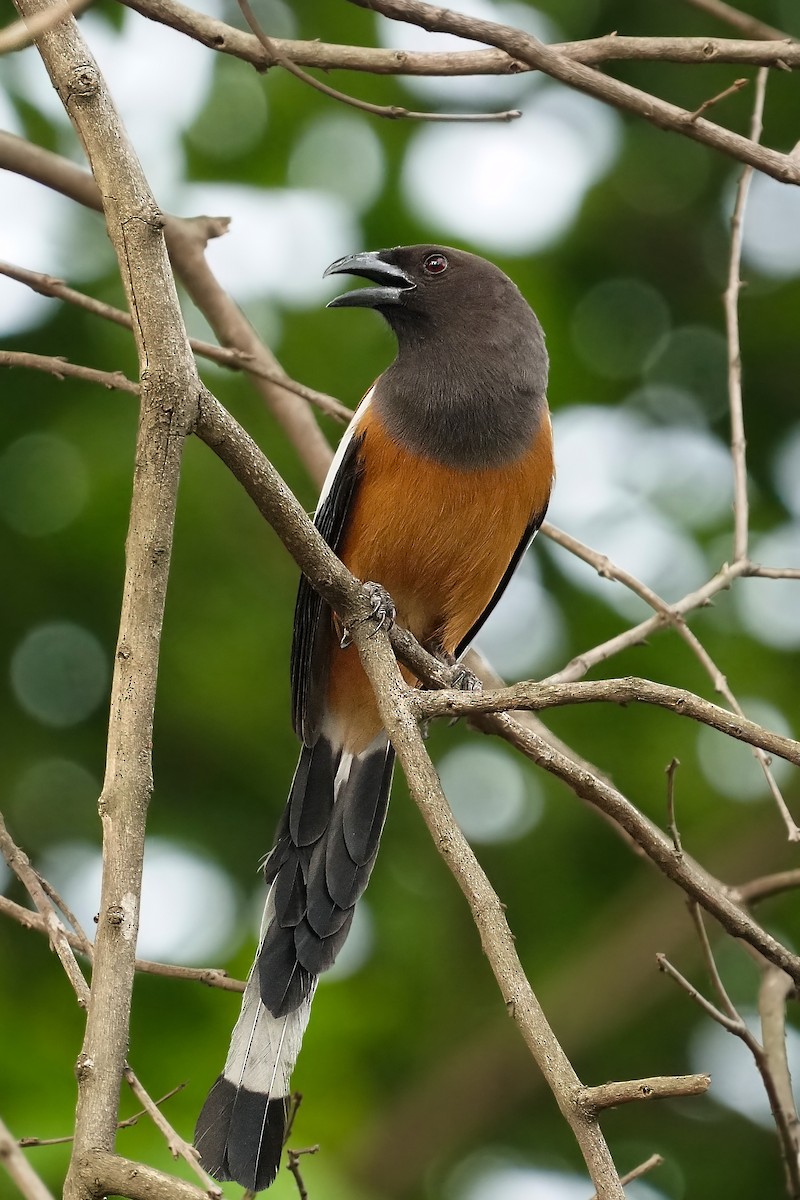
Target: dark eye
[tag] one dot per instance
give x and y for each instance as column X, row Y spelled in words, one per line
column 435, row 264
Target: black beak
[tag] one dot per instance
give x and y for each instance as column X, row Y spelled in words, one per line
column 392, row 281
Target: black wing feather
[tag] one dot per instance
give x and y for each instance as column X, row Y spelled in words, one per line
column 525, row 541
column 312, row 623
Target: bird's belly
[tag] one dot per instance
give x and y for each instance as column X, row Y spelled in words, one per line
column 439, row 540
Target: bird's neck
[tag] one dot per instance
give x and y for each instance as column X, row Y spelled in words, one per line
column 464, row 405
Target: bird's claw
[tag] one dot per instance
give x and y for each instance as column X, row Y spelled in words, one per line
column 465, row 681
column 383, row 612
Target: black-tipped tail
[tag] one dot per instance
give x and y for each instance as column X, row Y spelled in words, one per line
column 239, row 1135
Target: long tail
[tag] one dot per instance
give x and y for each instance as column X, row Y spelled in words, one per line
column 324, row 852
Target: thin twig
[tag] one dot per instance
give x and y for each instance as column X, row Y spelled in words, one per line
column 767, row 885
column 210, row 976
column 741, row 512
column 751, row 26
column 672, row 826
column 655, row 1160
column 61, row 369
column 293, row 1165
column 672, row 614
column 733, row 1024
column 710, row 962
column 736, row 86
column 523, row 46
column 128, row 1123
column 234, row 360
column 537, row 697
column 392, row 112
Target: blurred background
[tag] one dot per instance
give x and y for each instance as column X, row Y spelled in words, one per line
column 416, row 1084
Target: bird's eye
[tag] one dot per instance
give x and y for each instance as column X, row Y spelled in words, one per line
column 435, row 264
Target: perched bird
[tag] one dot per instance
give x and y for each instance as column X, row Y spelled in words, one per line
column 435, row 492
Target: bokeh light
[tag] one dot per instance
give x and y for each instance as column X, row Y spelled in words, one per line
column 341, row 154
column 517, row 189
column 189, row 906
column 525, row 634
column 492, row 797
column 616, row 491
column 491, row 91
column 617, row 324
column 495, row 1177
column 59, row 673
column 279, row 243
column 787, row 470
column 769, row 609
column 58, row 795
column 771, row 237
column 693, row 359
column 735, row 1080
column 44, row 484
column 731, row 767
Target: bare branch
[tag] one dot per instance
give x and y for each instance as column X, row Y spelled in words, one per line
column 672, row 825
column 732, row 1024
column 628, row 1091
column 655, row 1160
column 293, row 1165
column 327, row 56
column 21, row 1172
column 767, row 885
column 127, row 1123
column 735, row 87
column 210, row 976
column 741, row 511
column 391, row 112
column 121, row 1177
column 612, row 91
column 776, row 988
column 62, row 369
column 631, row 690
column 46, row 285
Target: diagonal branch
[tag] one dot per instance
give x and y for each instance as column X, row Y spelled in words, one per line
column 612, row 91
column 782, row 52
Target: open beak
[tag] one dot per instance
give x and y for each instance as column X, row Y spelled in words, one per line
column 392, row 282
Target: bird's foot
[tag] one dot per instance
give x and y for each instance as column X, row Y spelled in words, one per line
column 463, row 679
column 383, row 612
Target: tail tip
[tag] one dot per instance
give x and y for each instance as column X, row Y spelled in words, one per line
column 239, row 1135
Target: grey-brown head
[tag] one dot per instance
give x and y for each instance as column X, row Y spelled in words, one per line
column 470, row 376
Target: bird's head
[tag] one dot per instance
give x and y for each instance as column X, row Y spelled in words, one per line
column 424, row 290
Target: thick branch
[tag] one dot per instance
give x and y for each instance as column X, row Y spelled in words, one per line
column 552, row 62
column 168, row 401
column 109, row 1174
column 538, row 696
column 328, row 56
column 274, row 500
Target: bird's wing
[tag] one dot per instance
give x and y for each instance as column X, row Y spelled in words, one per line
column 525, row 541
column 312, row 620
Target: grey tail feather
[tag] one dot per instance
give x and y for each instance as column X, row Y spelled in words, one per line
column 325, row 848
